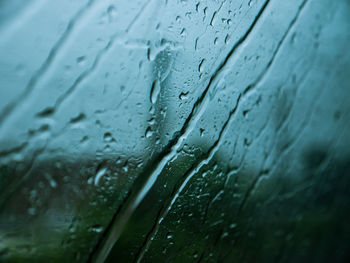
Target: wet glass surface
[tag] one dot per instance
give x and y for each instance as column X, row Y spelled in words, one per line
column 174, row 131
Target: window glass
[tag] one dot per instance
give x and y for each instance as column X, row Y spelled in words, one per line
column 174, row 131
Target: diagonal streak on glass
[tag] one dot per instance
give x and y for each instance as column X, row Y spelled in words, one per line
column 170, row 151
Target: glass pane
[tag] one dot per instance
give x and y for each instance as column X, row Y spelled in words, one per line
column 174, row 131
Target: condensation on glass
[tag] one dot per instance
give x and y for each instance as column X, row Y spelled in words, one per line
column 174, row 131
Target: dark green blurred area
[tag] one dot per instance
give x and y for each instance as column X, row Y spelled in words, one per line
column 305, row 224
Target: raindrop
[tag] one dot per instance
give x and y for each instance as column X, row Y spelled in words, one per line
column 225, row 234
column 78, row 118
column 126, row 167
column 200, row 67
column 152, row 121
column 100, row 173
column 107, row 137
column 122, row 88
column 205, row 12
column 183, row 95
column 245, row 112
column 155, row 90
column 227, row 38
column 149, row 132
column 52, row 182
column 111, row 12
column 32, row 211
column 183, row 32
column 216, row 41
column 84, row 139
column 96, row 229
column 212, row 19
column 81, row 60
column 47, row 112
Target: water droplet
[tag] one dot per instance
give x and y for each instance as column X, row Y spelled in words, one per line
column 32, row 211
column 96, row 229
column 78, row 118
column 183, row 32
column 90, row 180
column 227, row 39
column 100, row 173
column 197, row 6
column 225, row 234
column 51, row 181
column 47, row 112
column 183, row 95
column 152, row 121
column 293, row 38
column 149, row 132
column 111, row 12
column 216, row 41
column 212, row 19
column 126, row 167
column 200, row 67
column 155, row 90
column 81, row 60
column 122, row 88
column 108, row 137
column 205, row 11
